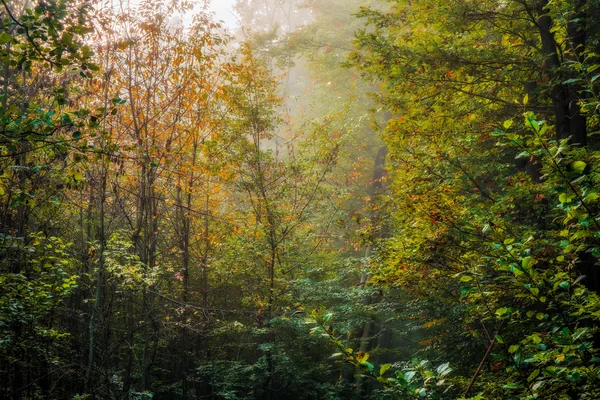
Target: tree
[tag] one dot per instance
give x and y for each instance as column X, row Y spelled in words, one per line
column 477, row 234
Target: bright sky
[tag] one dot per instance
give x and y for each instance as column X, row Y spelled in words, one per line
column 224, row 11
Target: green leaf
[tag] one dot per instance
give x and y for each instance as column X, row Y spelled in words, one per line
column 533, row 375
column 565, row 285
column 67, row 38
column 536, row 339
column 540, row 316
column 591, row 197
column 384, row 369
column 5, row 38
column 368, row 365
column 527, row 262
column 513, row 349
column 508, row 123
column 578, row 167
column 566, row 197
column 512, row 386
column 501, row 311
column 575, row 376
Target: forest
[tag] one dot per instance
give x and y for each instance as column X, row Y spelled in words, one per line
column 328, row 199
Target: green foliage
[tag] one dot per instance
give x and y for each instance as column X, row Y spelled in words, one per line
column 49, row 34
column 31, row 300
column 505, row 248
column 415, row 379
column 124, row 266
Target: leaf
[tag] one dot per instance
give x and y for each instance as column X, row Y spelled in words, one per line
column 537, row 385
column 512, row 386
column 362, row 357
column 540, row 316
column 527, row 262
column 368, row 365
column 575, row 376
column 501, row 311
column 444, row 369
column 579, row 333
column 508, row 123
column 526, row 99
column 565, row 285
column 513, row 349
column 578, row 167
column 536, row 339
column 78, row 176
column 591, row 197
column 409, row 376
column 67, row 38
column 533, row 375
column 5, row 38
column 566, row 197
column 384, row 368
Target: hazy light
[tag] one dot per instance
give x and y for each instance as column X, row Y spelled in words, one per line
column 224, row 11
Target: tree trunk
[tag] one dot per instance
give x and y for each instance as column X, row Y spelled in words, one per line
column 99, row 283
